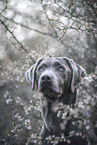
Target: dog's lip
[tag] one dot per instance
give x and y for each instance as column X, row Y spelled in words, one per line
column 47, row 90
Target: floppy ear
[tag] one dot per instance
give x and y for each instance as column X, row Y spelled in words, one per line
column 77, row 72
column 31, row 74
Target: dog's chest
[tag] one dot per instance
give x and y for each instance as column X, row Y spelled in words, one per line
column 54, row 116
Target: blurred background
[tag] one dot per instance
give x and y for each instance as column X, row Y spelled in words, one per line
column 30, row 29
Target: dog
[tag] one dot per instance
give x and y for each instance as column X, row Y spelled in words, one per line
column 57, row 79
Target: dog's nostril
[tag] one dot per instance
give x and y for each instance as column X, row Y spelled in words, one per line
column 46, row 78
column 43, row 78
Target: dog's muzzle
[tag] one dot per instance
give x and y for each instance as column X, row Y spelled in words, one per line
column 48, row 88
column 45, row 81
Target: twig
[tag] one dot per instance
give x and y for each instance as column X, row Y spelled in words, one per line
column 4, row 7
column 38, row 31
column 22, row 47
column 56, row 35
column 13, row 36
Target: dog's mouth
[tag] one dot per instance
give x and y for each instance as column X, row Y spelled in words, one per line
column 51, row 94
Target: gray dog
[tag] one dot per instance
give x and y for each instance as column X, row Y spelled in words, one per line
column 57, row 79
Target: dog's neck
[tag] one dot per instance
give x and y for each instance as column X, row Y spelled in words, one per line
column 51, row 109
column 49, row 114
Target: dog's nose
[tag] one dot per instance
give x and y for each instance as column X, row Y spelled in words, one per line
column 46, row 78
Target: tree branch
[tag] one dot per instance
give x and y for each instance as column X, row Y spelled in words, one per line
column 38, row 31
column 22, row 47
column 4, row 7
column 13, row 36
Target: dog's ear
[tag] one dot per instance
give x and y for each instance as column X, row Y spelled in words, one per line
column 77, row 72
column 31, row 74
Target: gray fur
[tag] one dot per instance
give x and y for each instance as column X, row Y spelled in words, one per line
column 57, row 79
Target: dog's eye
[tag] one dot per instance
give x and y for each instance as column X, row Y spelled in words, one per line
column 61, row 69
column 41, row 69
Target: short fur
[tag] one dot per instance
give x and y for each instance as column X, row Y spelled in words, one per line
column 57, row 79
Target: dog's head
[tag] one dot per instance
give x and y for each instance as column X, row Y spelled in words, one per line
column 54, row 76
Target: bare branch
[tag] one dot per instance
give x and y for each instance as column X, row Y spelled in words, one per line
column 38, row 31
column 76, row 21
column 22, row 47
column 13, row 36
column 49, row 20
column 4, row 7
